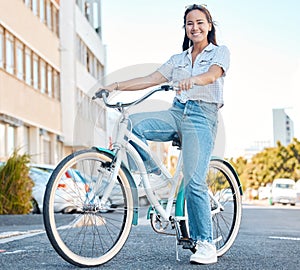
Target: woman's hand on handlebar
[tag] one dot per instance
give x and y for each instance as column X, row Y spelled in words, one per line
column 109, row 88
column 186, row 84
column 100, row 93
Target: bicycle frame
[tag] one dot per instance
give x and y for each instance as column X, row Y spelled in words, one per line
column 122, row 147
column 110, row 205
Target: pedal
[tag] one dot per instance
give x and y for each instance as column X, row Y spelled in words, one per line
column 186, row 243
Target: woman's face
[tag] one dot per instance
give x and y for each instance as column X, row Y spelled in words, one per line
column 197, row 26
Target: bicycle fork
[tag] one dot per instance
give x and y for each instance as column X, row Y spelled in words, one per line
column 114, row 167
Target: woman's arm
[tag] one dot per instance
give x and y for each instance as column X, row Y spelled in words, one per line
column 139, row 83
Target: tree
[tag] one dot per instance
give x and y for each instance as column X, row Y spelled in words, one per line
column 274, row 162
column 15, row 185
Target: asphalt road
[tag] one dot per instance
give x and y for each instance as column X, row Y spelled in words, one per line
column 269, row 238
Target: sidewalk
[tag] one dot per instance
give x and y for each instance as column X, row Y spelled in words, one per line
column 257, row 202
column 10, row 223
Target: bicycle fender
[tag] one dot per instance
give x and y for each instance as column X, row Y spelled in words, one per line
column 179, row 208
column 131, row 183
column 232, row 170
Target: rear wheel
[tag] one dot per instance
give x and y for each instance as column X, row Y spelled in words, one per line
column 97, row 232
column 226, row 206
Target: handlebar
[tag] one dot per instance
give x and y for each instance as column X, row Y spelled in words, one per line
column 103, row 93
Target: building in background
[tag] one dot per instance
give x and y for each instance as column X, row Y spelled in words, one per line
column 82, row 66
column 30, row 94
column 256, row 147
column 51, row 54
column 283, row 127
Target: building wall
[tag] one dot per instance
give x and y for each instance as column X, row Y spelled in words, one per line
column 30, row 109
column 283, row 127
column 82, row 66
column 51, row 57
column 22, row 102
column 20, row 20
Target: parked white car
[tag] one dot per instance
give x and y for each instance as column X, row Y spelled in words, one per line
column 298, row 190
column 283, row 191
column 69, row 191
column 264, row 192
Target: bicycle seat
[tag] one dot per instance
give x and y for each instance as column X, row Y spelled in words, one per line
column 176, row 141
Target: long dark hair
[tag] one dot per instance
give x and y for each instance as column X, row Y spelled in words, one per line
column 211, row 34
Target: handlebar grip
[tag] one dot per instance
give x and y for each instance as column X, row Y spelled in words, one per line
column 166, row 87
column 101, row 94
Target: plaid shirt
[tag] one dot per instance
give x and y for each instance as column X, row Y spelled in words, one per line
column 179, row 67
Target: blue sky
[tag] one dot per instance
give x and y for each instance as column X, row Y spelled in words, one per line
column 263, row 37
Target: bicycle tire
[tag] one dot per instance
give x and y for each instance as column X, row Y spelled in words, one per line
column 94, row 234
column 226, row 222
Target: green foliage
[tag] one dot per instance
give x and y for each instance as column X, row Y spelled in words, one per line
column 240, row 165
column 276, row 162
column 15, row 185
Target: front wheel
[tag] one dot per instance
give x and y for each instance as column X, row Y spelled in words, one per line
column 226, row 205
column 98, row 229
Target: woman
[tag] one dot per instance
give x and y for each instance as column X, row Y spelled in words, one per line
column 199, row 72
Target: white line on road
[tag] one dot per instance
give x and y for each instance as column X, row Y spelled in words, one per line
column 285, row 238
column 12, row 236
column 13, row 252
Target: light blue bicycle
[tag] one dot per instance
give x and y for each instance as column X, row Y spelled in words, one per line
column 110, row 207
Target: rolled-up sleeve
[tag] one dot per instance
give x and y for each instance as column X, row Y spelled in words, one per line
column 222, row 58
column 167, row 69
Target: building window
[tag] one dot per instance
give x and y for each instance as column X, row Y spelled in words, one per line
column 9, row 53
column 28, row 79
column 43, row 76
column 2, row 141
column 55, row 15
column 26, row 65
column 56, row 87
column 46, row 147
column 10, row 139
column 46, row 11
column 1, row 47
column 49, row 14
column 35, row 71
column 34, row 7
column 59, row 151
column 42, row 10
column 91, row 10
column 86, row 109
column 26, row 145
column 7, row 139
column 47, row 151
column 27, row 3
column 20, row 60
column 88, row 59
column 49, row 81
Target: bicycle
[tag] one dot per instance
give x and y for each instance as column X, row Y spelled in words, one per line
column 96, row 234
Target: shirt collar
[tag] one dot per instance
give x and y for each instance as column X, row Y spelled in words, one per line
column 208, row 48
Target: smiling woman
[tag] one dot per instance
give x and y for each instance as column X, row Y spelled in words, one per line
column 199, row 73
column 198, row 23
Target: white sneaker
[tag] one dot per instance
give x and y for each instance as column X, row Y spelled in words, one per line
column 206, row 253
column 156, row 180
column 160, row 185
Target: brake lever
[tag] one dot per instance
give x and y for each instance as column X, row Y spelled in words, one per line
column 101, row 94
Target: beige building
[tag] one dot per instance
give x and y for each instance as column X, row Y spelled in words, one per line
column 51, row 54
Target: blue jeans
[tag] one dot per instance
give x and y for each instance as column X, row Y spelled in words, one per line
column 196, row 124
